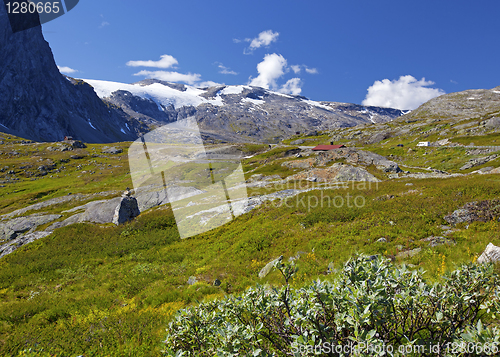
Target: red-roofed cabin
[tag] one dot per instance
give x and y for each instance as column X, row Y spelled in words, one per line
column 328, row 147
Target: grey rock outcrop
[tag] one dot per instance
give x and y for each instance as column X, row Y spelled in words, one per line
column 435, row 241
column 338, row 172
column 16, row 227
column 490, row 254
column 459, row 216
column 481, row 211
column 14, row 244
column 269, row 266
column 478, row 161
column 111, row 150
column 126, row 210
column 101, row 211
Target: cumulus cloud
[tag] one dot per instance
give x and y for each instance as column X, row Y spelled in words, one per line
column 405, row 93
column 311, row 70
column 292, row 86
column 270, row 69
column 225, row 70
column 296, row 68
column 273, row 67
column 166, row 61
column 265, row 38
column 66, row 70
column 189, row 78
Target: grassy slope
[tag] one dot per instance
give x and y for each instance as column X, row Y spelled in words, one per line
column 109, row 291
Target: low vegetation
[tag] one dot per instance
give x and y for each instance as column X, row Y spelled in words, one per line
column 105, row 290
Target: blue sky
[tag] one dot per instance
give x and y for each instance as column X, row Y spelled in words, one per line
column 324, row 50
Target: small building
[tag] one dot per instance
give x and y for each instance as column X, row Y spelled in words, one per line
column 68, row 138
column 327, row 147
column 424, row 143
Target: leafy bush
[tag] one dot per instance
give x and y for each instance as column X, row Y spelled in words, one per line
column 371, row 308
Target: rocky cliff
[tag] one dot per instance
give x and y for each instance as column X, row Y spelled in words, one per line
column 38, row 103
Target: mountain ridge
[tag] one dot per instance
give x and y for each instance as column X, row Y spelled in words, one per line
column 238, row 113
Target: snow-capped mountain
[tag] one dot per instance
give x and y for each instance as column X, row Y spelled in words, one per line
column 235, row 113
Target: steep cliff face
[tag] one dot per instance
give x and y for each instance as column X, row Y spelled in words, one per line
column 38, row 103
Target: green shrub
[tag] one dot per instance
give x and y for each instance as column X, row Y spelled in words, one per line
column 371, row 307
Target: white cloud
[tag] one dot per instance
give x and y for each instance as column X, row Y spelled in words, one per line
column 166, row 61
column 265, row 38
column 225, row 70
column 190, row 78
column 104, row 23
column 292, row 86
column 270, row 69
column 66, row 70
column 311, row 70
column 404, row 93
column 296, row 68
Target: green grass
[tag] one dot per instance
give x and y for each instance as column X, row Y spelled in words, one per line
column 101, row 290
column 110, row 291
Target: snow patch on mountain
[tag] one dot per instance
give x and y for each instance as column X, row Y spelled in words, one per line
column 253, row 101
column 159, row 93
column 234, row 90
column 317, row 104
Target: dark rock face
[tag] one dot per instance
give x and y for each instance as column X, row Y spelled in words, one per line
column 39, row 103
column 126, row 210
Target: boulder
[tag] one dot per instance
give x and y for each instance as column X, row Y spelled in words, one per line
column 435, row 241
column 298, row 142
column 192, row 280
column 459, row 216
column 292, row 152
column 490, row 254
column 482, row 211
column 111, row 150
column 269, row 266
column 408, row 253
column 126, row 210
column 493, row 123
column 77, row 144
